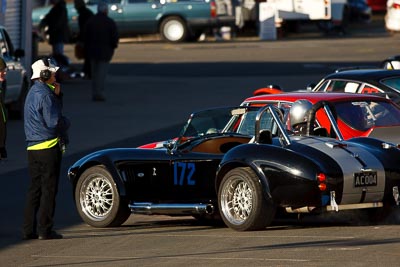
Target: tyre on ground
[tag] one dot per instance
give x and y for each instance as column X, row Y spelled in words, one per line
column 174, row 29
column 242, row 202
column 97, row 199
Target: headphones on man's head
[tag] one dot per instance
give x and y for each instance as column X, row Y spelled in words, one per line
column 45, row 75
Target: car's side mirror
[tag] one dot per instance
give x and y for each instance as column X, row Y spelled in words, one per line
column 19, row 53
column 169, row 145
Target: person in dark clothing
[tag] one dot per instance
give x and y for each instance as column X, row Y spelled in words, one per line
column 84, row 15
column 101, row 39
column 58, row 29
column 46, row 137
column 3, row 115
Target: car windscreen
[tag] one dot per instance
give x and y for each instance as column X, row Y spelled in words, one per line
column 363, row 115
column 236, row 120
column 392, row 82
column 210, row 121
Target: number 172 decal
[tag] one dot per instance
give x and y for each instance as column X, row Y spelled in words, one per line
column 183, row 173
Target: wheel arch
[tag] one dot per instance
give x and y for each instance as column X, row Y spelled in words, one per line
column 75, row 173
column 260, row 158
column 226, row 167
column 165, row 16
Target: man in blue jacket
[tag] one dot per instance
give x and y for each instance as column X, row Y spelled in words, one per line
column 46, row 137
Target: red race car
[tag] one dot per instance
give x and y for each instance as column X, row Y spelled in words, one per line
column 357, row 114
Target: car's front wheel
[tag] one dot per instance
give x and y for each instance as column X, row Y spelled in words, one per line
column 173, row 29
column 97, row 199
column 242, row 201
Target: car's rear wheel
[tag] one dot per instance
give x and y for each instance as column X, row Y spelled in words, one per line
column 242, row 201
column 173, row 29
column 97, row 199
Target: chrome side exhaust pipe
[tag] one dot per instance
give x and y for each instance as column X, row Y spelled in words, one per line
column 170, row 209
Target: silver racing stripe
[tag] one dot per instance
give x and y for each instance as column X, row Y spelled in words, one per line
column 346, row 158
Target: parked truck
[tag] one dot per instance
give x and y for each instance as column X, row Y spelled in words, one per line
column 174, row 20
column 327, row 14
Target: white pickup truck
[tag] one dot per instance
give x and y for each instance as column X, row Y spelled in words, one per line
column 329, row 13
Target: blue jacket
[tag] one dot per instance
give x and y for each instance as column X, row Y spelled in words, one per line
column 43, row 119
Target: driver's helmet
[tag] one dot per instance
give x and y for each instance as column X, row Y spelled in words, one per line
column 299, row 112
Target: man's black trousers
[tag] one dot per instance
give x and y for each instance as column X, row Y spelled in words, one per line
column 44, row 170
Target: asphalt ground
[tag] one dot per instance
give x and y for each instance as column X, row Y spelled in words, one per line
column 151, row 89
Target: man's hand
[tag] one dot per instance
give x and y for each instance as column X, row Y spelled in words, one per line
column 57, row 88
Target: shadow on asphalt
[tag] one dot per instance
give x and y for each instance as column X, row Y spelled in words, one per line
column 16, row 185
column 235, row 69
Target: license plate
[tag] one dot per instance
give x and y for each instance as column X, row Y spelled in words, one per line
column 368, row 178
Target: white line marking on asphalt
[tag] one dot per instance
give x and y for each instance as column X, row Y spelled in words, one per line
column 258, row 236
column 341, row 249
column 228, row 236
column 169, row 257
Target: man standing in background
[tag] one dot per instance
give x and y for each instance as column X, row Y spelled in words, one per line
column 101, row 39
column 84, row 15
column 58, row 29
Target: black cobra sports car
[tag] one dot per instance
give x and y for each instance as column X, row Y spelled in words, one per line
column 242, row 165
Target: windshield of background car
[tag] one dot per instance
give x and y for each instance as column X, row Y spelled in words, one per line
column 247, row 123
column 392, row 82
column 363, row 115
column 284, row 108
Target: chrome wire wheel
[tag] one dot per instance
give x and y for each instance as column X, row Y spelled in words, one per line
column 242, row 201
column 237, row 201
column 98, row 200
column 96, row 197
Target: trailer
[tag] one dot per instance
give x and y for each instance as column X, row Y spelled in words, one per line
column 328, row 14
